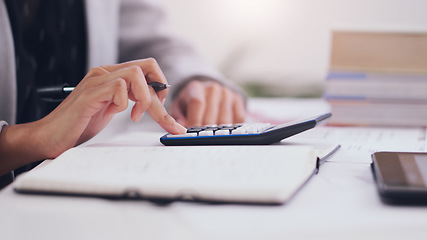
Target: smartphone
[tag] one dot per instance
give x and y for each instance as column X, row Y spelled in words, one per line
column 243, row 134
column 401, row 177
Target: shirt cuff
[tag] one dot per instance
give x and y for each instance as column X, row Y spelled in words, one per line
column 7, row 178
column 2, row 124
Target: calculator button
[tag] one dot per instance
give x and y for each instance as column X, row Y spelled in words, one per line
column 239, row 130
column 206, row 133
column 251, row 128
column 222, row 132
column 182, row 135
column 243, row 131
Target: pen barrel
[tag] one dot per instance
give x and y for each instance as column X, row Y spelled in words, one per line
column 158, row 86
column 52, row 92
column 60, row 92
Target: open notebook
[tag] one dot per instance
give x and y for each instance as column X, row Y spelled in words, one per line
column 247, row 174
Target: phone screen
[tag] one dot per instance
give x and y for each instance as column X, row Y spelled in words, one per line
column 403, row 169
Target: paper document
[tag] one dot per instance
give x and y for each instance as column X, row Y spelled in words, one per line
column 358, row 143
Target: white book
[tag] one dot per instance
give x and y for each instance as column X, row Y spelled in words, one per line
column 248, row 174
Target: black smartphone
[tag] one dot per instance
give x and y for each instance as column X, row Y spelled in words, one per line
column 401, row 177
column 243, row 134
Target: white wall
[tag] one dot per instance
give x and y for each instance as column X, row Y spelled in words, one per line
column 283, row 42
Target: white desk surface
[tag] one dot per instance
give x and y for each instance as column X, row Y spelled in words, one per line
column 340, row 202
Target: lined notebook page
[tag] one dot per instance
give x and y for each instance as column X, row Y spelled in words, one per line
column 269, row 174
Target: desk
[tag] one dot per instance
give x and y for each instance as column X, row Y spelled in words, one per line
column 340, row 202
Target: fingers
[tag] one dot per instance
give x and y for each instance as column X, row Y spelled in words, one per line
column 110, row 93
column 206, row 103
column 239, row 109
column 195, row 103
column 135, row 88
column 118, row 89
column 135, row 74
column 150, row 70
column 177, row 113
column 213, row 99
column 226, row 107
column 111, row 96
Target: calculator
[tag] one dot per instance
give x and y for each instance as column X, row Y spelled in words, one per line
column 243, row 134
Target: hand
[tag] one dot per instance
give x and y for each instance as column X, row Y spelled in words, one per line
column 103, row 92
column 203, row 102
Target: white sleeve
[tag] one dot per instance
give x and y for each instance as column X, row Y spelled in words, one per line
column 2, row 124
column 8, row 177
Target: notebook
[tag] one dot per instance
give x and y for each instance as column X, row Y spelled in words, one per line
column 243, row 174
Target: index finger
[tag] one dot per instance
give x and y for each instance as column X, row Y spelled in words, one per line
column 159, row 114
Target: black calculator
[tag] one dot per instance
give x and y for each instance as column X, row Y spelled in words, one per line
column 242, row 134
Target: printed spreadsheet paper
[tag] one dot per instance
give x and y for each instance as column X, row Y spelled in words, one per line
column 253, row 174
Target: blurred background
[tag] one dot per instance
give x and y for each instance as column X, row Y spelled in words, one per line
column 282, row 47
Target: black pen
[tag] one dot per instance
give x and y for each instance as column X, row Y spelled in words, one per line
column 58, row 92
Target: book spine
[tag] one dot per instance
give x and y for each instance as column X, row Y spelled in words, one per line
column 367, row 113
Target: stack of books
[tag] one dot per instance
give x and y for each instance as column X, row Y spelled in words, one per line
column 378, row 79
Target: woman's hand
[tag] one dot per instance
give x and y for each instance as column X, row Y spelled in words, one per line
column 103, row 92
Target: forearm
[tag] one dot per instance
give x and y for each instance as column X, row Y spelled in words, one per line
column 19, row 145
